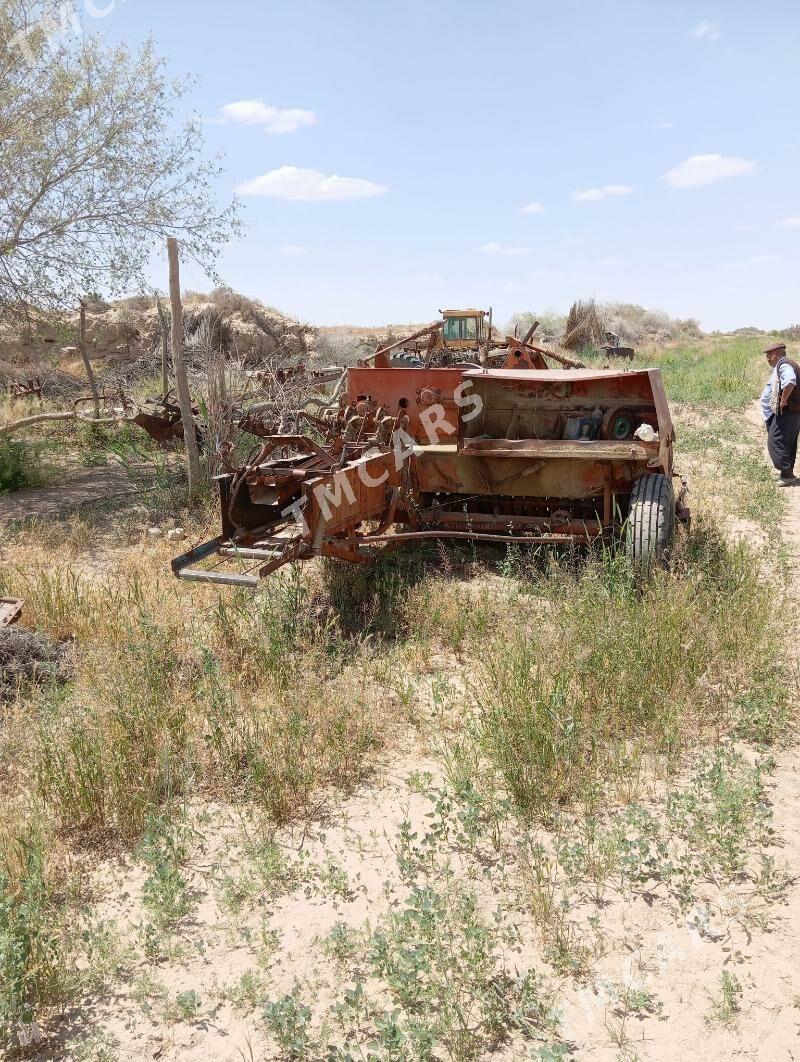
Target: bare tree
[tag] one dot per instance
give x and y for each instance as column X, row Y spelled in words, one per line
column 86, row 362
column 179, row 366
column 164, row 325
column 95, row 170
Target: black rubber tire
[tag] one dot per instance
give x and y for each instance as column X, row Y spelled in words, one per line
column 405, row 361
column 650, row 529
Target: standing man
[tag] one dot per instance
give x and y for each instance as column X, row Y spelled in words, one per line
column 780, row 404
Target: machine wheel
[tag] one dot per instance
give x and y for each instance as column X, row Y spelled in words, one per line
column 651, row 521
column 405, row 361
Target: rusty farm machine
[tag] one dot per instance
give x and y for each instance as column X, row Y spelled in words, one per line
column 451, row 433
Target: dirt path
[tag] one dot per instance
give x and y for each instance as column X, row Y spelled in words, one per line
column 74, row 488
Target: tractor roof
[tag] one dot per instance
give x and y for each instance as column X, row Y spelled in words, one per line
column 463, row 313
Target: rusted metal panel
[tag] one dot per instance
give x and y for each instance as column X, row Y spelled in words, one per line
column 447, row 470
column 402, row 390
column 577, row 449
column 344, row 498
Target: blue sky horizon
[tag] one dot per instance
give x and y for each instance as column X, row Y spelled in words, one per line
column 392, row 159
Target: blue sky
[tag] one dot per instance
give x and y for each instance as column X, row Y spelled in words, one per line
column 659, row 140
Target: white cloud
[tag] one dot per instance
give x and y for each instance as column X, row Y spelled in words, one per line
column 664, row 125
column 430, row 279
column 294, row 248
column 574, row 241
column 745, row 228
column 533, row 208
column 504, row 248
column 756, row 260
column 276, row 120
column 707, row 30
column 700, row 170
column 290, row 182
column 787, row 223
column 594, row 195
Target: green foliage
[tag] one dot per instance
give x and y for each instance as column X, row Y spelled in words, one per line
column 712, row 829
column 32, row 953
column 437, row 957
column 107, row 758
column 110, row 172
column 720, row 373
column 722, row 812
column 288, row 1020
column 341, row 943
column 246, row 994
column 187, row 1005
column 744, row 482
column 267, row 871
column 557, row 707
column 762, row 714
column 19, row 465
column 165, row 894
column 727, row 1002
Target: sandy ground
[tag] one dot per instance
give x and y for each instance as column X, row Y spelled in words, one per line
column 349, row 875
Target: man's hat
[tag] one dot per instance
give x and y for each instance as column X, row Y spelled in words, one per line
column 774, row 348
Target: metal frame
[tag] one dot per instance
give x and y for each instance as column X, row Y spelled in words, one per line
column 509, row 476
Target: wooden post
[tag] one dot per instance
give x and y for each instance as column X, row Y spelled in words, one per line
column 162, row 317
column 179, row 366
column 87, row 363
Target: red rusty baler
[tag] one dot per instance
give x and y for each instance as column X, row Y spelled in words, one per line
column 507, row 454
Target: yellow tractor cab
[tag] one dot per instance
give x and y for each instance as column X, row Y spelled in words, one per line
column 464, row 329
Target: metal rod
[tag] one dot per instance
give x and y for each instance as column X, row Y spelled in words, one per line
column 406, row 339
column 488, row 537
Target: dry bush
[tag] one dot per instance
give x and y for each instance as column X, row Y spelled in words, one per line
column 584, row 329
column 130, row 302
column 635, row 325
column 228, row 301
column 343, row 347
column 96, row 303
column 552, row 324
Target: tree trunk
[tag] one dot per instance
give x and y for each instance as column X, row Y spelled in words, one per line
column 87, row 363
column 179, row 366
column 162, row 317
column 43, row 418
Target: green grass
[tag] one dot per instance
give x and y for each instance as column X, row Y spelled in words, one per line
column 20, row 465
column 34, row 966
column 720, row 371
column 562, row 700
